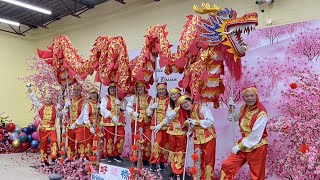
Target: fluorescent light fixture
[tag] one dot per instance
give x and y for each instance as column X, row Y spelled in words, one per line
column 9, row 22
column 28, row 6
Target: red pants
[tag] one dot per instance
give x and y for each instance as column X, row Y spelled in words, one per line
column 44, row 135
column 76, row 141
column 207, row 158
column 88, row 142
column 146, row 137
column 256, row 160
column 157, row 154
column 177, row 146
column 114, row 149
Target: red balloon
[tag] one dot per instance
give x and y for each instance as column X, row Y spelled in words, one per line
column 11, row 127
column 25, row 146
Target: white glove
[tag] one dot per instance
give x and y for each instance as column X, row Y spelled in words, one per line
column 157, row 128
column 73, row 126
column 68, row 103
column 154, row 106
column 135, row 114
column 235, row 149
column 115, row 119
column 92, row 130
column 232, row 102
column 117, row 102
column 172, row 115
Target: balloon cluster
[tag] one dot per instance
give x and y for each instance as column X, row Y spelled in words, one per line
column 23, row 138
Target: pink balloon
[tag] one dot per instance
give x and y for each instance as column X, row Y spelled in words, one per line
column 36, row 123
column 22, row 134
column 35, row 135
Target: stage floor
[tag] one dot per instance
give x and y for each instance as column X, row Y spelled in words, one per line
column 17, row 166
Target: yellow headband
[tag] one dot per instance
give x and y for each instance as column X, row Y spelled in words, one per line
column 250, row 89
column 161, row 86
column 175, row 90
column 140, row 84
column 112, row 85
column 181, row 99
column 93, row 90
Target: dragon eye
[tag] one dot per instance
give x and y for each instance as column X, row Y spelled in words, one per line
column 230, row 16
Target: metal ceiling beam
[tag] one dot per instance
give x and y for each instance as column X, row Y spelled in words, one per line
column 80, row 8
column 70, row 11
column 79, row 2
column 16, row 32
column 12, row 32
column 40, row 24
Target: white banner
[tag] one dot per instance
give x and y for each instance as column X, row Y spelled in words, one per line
column 109, row 172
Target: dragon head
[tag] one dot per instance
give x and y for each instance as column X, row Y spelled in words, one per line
column 223, row 27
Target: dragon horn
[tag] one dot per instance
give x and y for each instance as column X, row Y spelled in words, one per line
column 206, row 8
column 198, row 10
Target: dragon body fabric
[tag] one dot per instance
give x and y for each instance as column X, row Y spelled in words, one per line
column 205, row 47
column 109, row 58
column 219, row 43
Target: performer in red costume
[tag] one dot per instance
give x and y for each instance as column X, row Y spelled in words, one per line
column 137, row 109
column 252, row 147
column 47, row 129
column 158, row 109
column 91, row 115
column 177, row 133
column 202, row 122
column 112, row 111
column 75, row 124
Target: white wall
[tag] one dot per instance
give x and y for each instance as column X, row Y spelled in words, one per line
column 13, row 100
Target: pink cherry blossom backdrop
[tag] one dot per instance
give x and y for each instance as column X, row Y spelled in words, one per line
column 279, row 58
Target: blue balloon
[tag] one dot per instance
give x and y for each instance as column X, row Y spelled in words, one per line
column 26, row 130
column 32, row 128
column 29, row 137
column 34, row 144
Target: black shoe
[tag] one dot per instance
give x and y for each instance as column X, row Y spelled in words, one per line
column 153, row 167
column 145, row 163
column 173, row 176
column 53, row 160
column 135, row 164
column 110, row 160
column 117, row 159
column 162, row 167
column 103, row 157
column 46, row 163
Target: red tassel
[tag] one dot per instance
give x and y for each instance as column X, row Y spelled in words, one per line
column 44, row 54
column 163, row 60
column 180, row 62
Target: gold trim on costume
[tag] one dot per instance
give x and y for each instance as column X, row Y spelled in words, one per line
column 54, row 149
column 209, row 172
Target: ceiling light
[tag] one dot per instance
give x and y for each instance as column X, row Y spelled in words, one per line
column 9, row 22
column 29, row 6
